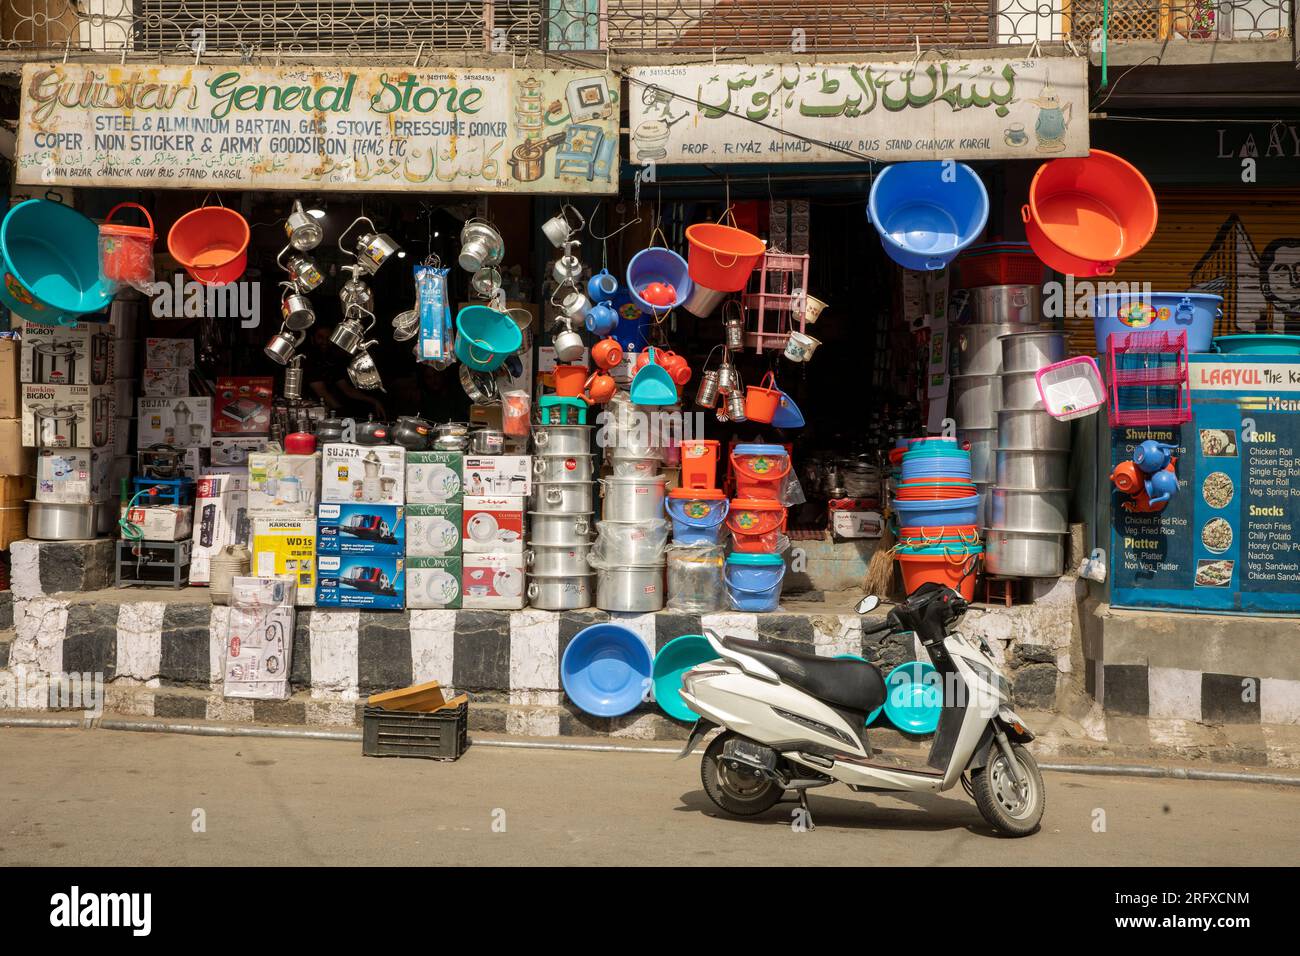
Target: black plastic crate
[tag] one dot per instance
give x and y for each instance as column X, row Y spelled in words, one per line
column 441, row 735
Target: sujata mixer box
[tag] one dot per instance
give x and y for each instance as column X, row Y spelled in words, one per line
column 375, row 474
column 433, row 477
column 242, row 405
column 184, row 422
column 362, row 581
column 493, row 524
column 433, row 530
column 433, row 582
column 287, row 546
column 360, row 529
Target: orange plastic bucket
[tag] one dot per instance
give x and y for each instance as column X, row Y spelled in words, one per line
column 699, row 464
column 933, row 494
column 570, row 380
column 762, row 401
column 1086, row 214
column 755, row 525
column 759, row 470
column 211, row 242
column 952, row 568
column 126, row 252
column 937, row 537
column 722, row 257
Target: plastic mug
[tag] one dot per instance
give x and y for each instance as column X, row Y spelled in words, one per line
column 602, row 319
column 679, row 370
column 570, row 380
column 607, row 353
column 599, row 388
column 601, row 286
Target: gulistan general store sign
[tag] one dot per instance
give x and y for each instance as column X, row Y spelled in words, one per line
column 542, row 131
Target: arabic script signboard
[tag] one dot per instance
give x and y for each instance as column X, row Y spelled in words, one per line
column 814, row 113
column 210, row 127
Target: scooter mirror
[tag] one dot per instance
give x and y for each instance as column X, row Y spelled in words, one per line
column 868, row 604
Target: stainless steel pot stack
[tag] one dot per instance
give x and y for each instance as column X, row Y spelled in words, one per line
column 560, row 518
column 1028, row 510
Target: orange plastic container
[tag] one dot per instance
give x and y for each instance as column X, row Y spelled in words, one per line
column 211, row 242
column 721, row 257
column 700, row 464
column 762, row 401
column 127, row 251
column 759, row 470
column 953, row 568
column 570, row 380
column 755, row 525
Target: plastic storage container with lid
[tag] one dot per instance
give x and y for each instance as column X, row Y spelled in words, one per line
column 754, row 581
column 760, row 470
column 697, row 514
column 695, row 581
column 756, row 525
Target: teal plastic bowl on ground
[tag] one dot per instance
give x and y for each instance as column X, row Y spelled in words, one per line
column 673, row 660
column 1257, row 344
column 913, row 698
column 871, row 717
column 50, row 254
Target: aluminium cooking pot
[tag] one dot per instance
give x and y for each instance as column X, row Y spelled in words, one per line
column 552, row 561
column 1020, row 391
column 978, row 350
column 563, row 469
column 487, row 441
column 568, row 593
column 562, row 497
column 1017, row 468
column 562, row 439
column 552, row 530
column 51, row 521
column 1030, row 351
column 633, row 498
column 1023, row 554
column 1030, row 509
column 1010, row 304
column 976, row 400
column 630, row 589
column 1032, row 430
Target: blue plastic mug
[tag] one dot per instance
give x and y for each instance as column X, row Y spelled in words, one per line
column 602, row 319
column 601, row 286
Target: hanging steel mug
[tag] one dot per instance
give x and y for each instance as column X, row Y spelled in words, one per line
column 728, row 380
column 304, row 232
column 736, row 406
column 363, row 371
column 707, row 394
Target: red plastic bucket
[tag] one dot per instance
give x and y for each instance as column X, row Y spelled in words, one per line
column 950, row 569
column 721, row 257
column 211, row 242
column 762, row 401
column 126, row 252
column 759, row 470
column 755, row 525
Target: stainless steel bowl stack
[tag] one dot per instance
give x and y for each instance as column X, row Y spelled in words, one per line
column 1028, row 510
column 560, row 518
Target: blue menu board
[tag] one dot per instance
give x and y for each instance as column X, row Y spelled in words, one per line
column 1229, row 541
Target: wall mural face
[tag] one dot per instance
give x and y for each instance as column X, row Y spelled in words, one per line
column 1258, row 277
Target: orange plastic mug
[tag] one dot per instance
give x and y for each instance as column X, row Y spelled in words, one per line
column 569, row 380
column 607, row 353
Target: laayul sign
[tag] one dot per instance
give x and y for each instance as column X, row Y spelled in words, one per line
column 205, row 127
column 799, row 113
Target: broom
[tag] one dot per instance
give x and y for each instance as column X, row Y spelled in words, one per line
column 879, row 579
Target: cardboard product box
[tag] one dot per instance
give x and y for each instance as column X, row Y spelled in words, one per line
column 68, row 416
column 287, row 546
column 84, row 354
column 184, row 422
column 259, row 639
column 16, row 489
column 11, row 396
column 165, row 382
column 243, row 405
column 191, row 462
column 161, row 522
column 236, row 449
column 433, row 582
column 361, row 529
column 433, row 477
column 497, row 475
column 220, row 519
column 13, row 523
column 493, row 580
column 73, row 475
column 237, row 475
column 362, row 581
column 15, row 457
column 492, row 523
column 169, row 353
column 433, row 530
column 285, row 484
column 375, row 474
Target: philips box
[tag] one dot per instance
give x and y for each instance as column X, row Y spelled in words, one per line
column 493, row 524
column 493, row 581
column 220, row 519
column 361, row 581
column 287, row 546
column 497, row 475
column 283, row 484
column 183, row 422
column 360, row 529
column 433, row 477
column 375, row 474
column 433, row 530
column 433, row 582
column 73, row 475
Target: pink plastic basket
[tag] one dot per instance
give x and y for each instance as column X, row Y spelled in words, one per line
column 1071, row 389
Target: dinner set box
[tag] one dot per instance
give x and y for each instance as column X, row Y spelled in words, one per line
column 493, row 523
column 361, row 581
column 434, row 530
column 433, row 477
column 259, row 638
column 433, row 582
column 363, row 529
column 184, row 422
column 495, row 580
column 68, row 416
column 497, row 475
column 242, row 405
column 73, row 475
column 161, row 522
column 287, row 546
column 375, row 474
column 285, row 484
column 220, row 520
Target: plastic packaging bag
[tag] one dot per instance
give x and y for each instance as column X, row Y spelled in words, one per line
column 620, row 544
column 695, row 581
column 516, row 412
column 436, row 339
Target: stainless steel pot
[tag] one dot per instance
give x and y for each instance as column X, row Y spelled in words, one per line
column 562, row 439
column 1030, row 351
column 985, row 490
column 1032, row 431
column 976, row 400
column 1013, row 304
column 633, row 499
column 552, row 561
column 1044, row 510
column 1020, row 390
column 1017, row 468
column 49, row 521
column 1023, row 554
column 558, row 530
column 630, row 589
column 561, row 594
column 636, row 467
column 487, row 441
column 982, row 443
column 978, row 350
column 451, row 436
column 481, row 387
column 564, row 469
column 632, row 443
column 562, row 498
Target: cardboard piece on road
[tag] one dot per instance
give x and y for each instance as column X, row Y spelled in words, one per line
column 423, row 698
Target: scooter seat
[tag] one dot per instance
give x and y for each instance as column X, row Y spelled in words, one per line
column 844, row 682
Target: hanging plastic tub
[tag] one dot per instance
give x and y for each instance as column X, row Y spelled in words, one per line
column 657, row 265
column 929, row 514
column 721, row 257
column 1258, row 344
column 211, row 242
column 697, row 514
column 755, row 525
column 1085, row 215
column 923, row 216
column 949, row 565
column 50, row 255
column 1192, row 312
column 485, row 338
column 760, row 470
column 754, row 581
column 126, row 252
column 762, row 401
column 1071, row 389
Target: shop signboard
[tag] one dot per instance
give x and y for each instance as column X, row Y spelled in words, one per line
column 945, row 108
column 319, row 128
column 1229, row 541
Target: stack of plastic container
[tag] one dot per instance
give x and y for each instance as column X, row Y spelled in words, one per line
column 757, row 522
column 560, row 518
column 697, row 509
column 937, row 507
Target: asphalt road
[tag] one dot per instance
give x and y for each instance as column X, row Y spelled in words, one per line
column 114, row 798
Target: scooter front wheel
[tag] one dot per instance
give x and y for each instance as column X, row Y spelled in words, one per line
column 1013, row 810
column 737, row 791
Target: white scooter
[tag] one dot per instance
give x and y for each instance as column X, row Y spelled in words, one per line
column 795, row 721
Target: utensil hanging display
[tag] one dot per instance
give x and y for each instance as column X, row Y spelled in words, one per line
column 372, row 248
column 211, row 243
column 303, row 228
column 485, row 337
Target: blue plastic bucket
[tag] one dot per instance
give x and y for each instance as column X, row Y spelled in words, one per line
column 658, row 264
column 927, row 212
column 930, row 514
column 50, row 254
column 485, row 338
column 697, row 520
column 754, row 581
column 1191, row 312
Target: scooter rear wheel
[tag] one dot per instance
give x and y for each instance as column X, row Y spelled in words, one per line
column 1001, row 803
column 737, row 792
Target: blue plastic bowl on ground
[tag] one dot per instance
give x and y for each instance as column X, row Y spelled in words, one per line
column 1124, row 312
column 914, row 697
column 606, row 670
column 673, row 660
column 871, row 717
column 927, row 212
